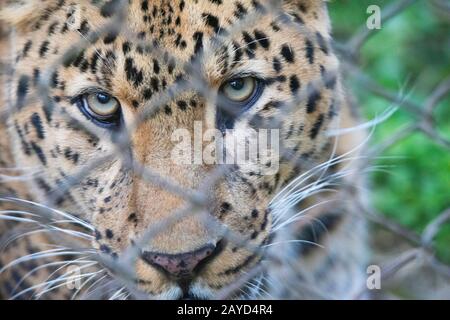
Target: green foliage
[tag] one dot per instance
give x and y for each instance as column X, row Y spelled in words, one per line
column 411, row 51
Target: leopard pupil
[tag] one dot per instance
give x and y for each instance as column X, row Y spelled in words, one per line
column 237, row 84
column 103, row 98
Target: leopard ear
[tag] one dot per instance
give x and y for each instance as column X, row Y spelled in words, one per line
column 317, row 9
column 308, row 5
column 23, row 14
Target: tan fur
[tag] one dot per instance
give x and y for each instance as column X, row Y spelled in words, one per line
column 133, row 203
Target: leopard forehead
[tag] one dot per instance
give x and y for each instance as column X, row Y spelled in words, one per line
column 133, row 61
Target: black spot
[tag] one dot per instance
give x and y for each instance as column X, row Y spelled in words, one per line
column 104, row 248
column 332, row 111
column 70, row 155
column 272, row 105
column 22, row 90
column 84, row 28
column 224, row 208
column 155, row 66
column 144, row 5
column 249, row 40
column 275, row 27
column 167, row 110
column 182, row 4
column 44, row 48
column 79, row 58
column 110, row 37
column 330, row 79
column 240, row 10
column 277, row 65
column 322, row 43
column 36, row 75
column 94, row 59
column 107, row 199
column 26, row 48
column 211, row 21
column 238, row 268
column 38, row 150
column 255, row 213
column 262, row 39
column 109, row 234
column 198, row 38
column 48, row 111
column 110, row 7
column 265, row 220
column 54, row 82
column 193, row 103
column 316, row 127
column 43, row 185
column 51, row 28
column 294, row 84
column 287, row 53
column 154, row 83
column 309, row 47
column 302, row 7
column 64, row 28
column 132, row 73
column 237, row 53
column 297, row 18
column 147, row 93
column 313, row 97
column 132, row 217
column 126, row 47
column 182, row 104
column 37, row 123
column 171, row 66
column 25, row 145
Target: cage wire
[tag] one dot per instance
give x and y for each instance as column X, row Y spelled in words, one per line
column 118, row 282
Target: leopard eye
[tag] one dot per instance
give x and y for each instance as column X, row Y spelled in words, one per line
column 102, row 105
column 101, row 108
column 240, row 90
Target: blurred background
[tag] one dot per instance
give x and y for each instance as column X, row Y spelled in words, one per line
column 406, row 62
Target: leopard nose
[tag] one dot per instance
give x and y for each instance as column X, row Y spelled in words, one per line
column 179, row 265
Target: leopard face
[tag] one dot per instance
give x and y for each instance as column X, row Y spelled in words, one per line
column 117, row 74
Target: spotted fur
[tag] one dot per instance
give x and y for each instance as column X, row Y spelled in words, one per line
column 137, row 64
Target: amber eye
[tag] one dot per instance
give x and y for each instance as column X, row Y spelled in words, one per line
column 240, row 90
column 100, row 107
column 102, row 104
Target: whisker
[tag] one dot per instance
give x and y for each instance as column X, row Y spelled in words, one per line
column 93, row 285
column 39, row 255
column 33, row 288
column 117, row 294
column 64, row 282
column 85, row 283
column 55, row 211
column 46, row 265
column 294, row 241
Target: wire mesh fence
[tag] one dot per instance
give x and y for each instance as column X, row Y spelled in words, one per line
column 105, row 275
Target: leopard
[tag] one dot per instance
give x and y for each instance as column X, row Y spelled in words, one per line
column 92, row 93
